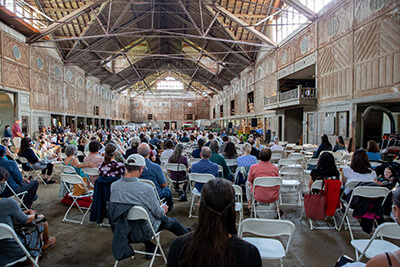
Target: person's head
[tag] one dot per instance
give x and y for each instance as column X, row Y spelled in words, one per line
column 71, row 150
column 3, row 179
column 372, row 146
column 18, row 120
column 265, row 154
column 135, row 142
column 388, row 172
column 169, row 144
column 94, row 146
column 250, row 141
column 110, row 152
column 7, row 127
column 230, row 150
column 144, row 150
column 241, row 138
column 214, row 146
column 83, row 141
column 134, row 165
column 205, row 153
column 276, row 140
column 225, row 138
column 326, row 162
column 3, row 151
column 325, row 140
column 177, row 153
column 201, row 143
column 246, row 148
column 210, row 136
column 208, row 245
column 340, row 140
column 25, row 144
column 191, row 137
column 360, row 162
column 396, row 205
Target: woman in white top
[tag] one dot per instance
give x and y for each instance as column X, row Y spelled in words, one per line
column 359, row 169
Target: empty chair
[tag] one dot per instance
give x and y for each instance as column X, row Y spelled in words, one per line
column 266, row 190
column 139, row 213
column 269, row 248
column 291, row 177
column 7, row 232
column 275, row 156
column 297, row 149
column 239, row 201
column 372, row 247
column 287, row 162
column 231, row 162
column 197, row 178
column 71, row 179
column 297, row 156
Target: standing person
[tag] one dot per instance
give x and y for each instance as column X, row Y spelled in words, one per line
column 214, row 241
column 17, row 135
column 15, row 180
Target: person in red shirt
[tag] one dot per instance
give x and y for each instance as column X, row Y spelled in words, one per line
column 17, row 135
column 263, row 169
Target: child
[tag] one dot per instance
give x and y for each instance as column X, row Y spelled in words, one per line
column 387, row 179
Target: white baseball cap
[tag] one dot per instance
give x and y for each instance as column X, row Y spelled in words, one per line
column 136, row 160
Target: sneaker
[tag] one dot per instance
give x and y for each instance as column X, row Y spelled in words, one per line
column 280, row 213
column 50, row 181
column 150, row 247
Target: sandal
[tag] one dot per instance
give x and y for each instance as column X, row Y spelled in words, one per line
column 247, row 212
column 50, row 242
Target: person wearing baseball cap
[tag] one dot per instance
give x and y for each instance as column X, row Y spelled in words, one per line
column 130, row 190
column 15, row 180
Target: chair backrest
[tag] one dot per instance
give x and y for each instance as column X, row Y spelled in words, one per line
column 200, row 177
column 389, row 230
column 7, row 232
column 192, row 161
column 164, row 160
column 71, row 178
column 296, row 156
column 69, row 169
column 80, row 153
column 267, row 181
column 287, row 162
column 231, row 162
column 267, row 228
column 292, row 170
column 23, row 160
column 317, row 185
column 90, row 171
column 138, row 213
column 297, row 148
column 375, row 163
column 337, row 155
column 346, row 158
column 220, row 169
column 175, row 167
column 370, row 191
column 276, row 156
column 312, row 162
column 238, row 190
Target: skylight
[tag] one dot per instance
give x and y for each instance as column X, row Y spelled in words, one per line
column 169, row 83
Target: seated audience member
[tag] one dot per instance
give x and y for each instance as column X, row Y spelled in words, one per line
column 276, row 146
column 130, row 190
column 184, row 138
column 15, row 180
column 325, row 146
column 225, row 140
column 178, row 157
column 7, row 133
column 134, row 147
column 326, row 167
column 196, row 152
column 263, row 169
column 254, row 151
column 373, row 151
column 6, row 143
column 258, row 144
column 219, row 160
column 169, row 145
column 234, row 138
column 27, row 152
column 241, row 139
column 154, row 173
column 204, row 166
column 71, row 151
column 214, row 241
column 81, row 147
column 110, row 167
column 246, row 160
column 359, row 170
column 94, row 158
column 230, row 151
column 339, row 144
column 210, row 138
column 10, row 213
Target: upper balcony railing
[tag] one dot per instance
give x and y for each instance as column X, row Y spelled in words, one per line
column 299, row 96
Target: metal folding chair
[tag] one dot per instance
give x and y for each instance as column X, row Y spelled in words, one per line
column 197, row 178
column 19, row 196
column 266, row 182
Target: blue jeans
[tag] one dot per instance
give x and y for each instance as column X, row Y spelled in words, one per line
column 172, row 225
column 167, row 194
column 30, row 187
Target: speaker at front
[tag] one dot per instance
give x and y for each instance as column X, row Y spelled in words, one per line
column 253, row 122
column 230, row 125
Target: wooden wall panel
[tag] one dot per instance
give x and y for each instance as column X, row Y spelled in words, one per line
column 15, row 75
column 36, row 59
column 56, row 96
column 365, row 11
column 9, row 43
column 70, row 99
column 39, row 90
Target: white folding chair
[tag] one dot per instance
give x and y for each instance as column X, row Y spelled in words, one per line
column 221, row 171
column 7, row 232
column 372, row 247
column 266, row 182
column 310, row 162
column 91, row 172
column 366, row 192
column 19, row 196
column 275, row 156
column 239, row 201
column 139, row 213
column 36, row 173
column 269, row 248
column 149, row 182
column 345, row 160
column 297, row 156
column 175, row 167
column 72, row 179
column 231, row 162
column 193, row 161
column 291, row 178
column 69, row 169
column 287, row 162
column 197, row 178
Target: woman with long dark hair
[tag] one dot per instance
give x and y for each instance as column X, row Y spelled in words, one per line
column 230, row 151
column 359, row 169
column 178, row 157
column 340, row 145
column 27, row 152
column 326, row 167
column 110, row 167
column 214, row 241
column 325, row 146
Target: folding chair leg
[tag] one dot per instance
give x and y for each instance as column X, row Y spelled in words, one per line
column 191, row 208
column 278, row 210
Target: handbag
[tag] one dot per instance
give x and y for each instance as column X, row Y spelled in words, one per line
column 315, row 205
column 30, row 235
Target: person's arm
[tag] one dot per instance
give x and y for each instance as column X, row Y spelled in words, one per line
column 17, row 214
column 160, row 177
column 251, row 177
column 345, row 173
column 16, row 172
column 152, row 203
column 378, row 261
column 75, row 163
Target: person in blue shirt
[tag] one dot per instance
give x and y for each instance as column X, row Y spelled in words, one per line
column 7, row 133
column 15, row 180
column 204, row 166
column 373, row 151
column 154, row 173
column 196, row 153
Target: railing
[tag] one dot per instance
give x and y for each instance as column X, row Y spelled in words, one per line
column 299, row 94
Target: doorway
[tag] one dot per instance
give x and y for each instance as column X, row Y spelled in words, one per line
column 166, row 125
column 7, row 110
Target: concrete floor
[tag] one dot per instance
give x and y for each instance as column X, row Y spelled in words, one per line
column 90, row 244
